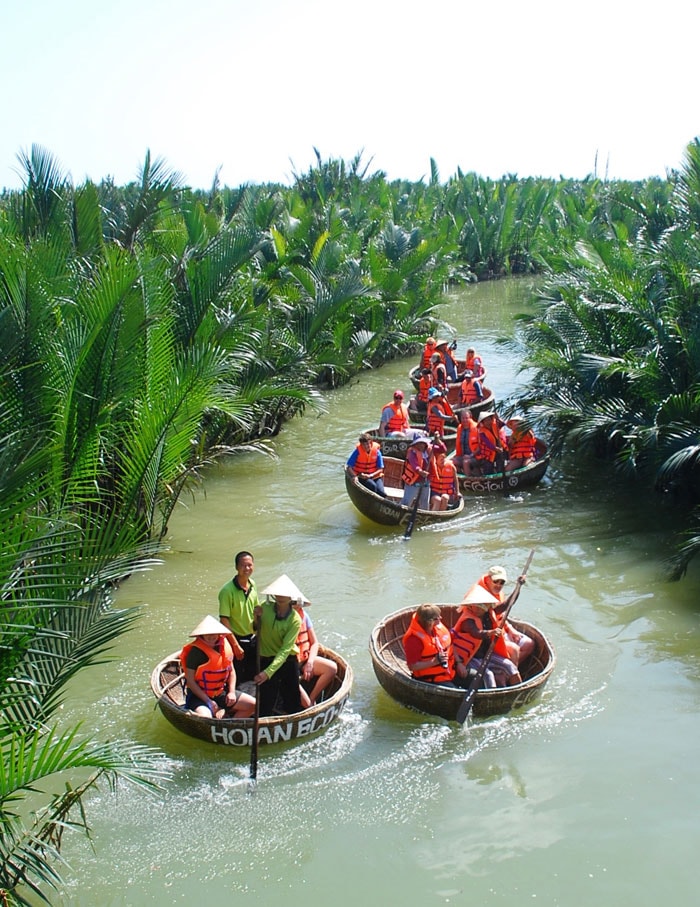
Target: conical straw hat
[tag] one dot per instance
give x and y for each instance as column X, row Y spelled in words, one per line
column 284, row 586
column 210, row 625
column 479, row 597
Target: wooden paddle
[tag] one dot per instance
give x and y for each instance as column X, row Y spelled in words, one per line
column 414, row 510
column 468, row 700
column 256, row 716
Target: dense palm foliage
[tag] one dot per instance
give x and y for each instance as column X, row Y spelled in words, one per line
column 615, row 342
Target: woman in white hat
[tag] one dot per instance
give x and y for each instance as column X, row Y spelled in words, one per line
column 514, row 647
column 490, row 454
column 210, row 675
column 278, row 626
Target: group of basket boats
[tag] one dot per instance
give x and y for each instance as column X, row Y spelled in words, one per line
column 386, row 640
column 391, row 670
column 389, row 511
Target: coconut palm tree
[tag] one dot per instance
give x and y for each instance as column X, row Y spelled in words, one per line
column 615, row 345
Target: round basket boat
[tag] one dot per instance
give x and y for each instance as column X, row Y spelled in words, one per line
column 508, row 482
column 168, row 686
column 417, row 417
column 390, row 511
column 414, row 373
column 389, row 663
column 398, row 447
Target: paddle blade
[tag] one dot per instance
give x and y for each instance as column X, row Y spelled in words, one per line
column 466, row 706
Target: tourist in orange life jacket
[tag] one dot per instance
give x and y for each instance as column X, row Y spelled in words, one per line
column 439, row 412
column 522, row 445
column 467, row 442
column 518, row 646
column 473, row 363
column 427, row 352
column 428, row 648
column 471, row 391
column 394, row 419
column 438, row 372
column 490, row 453
column 312, row 666
column 210, row 676
column 424, row 385
column 468, row 635
column 367, row 463
column 444, row 485
column 477, row 627
column 415, row 474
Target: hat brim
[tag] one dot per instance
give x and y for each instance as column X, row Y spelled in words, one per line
column 210, row 626
column 285, row 587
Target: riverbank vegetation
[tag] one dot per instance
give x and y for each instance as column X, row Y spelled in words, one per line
column 148, row 329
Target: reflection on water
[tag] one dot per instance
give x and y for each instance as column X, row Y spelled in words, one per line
column 560, row 801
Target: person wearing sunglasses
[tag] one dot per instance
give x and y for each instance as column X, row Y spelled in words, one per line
column 512, row 647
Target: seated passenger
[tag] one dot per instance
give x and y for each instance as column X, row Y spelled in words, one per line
column 518, row 644
column 473, row 363
column 438, row 372
column 428, row 351
column 424, row 385
column 428, row 648
column 312, row 666
column 522, row 445
column 394, row 420
column 490, row 454
column 367, row 463
column 511, row 647
column 444, row 484
column 471, row 391
column 439, row 412
column 466, row 444
column 210, row 676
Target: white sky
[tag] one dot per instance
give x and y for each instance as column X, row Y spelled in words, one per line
column 530, row 87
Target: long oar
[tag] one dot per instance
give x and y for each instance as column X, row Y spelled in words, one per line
column 414, row 511
column 468, row 700
column 256, row 717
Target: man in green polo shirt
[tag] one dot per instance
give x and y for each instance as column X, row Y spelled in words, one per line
column 237, row 601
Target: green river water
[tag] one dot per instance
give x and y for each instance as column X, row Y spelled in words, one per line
column 587, row 797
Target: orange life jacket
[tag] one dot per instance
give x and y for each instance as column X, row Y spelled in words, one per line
column 424, row 385
column 213, row 675
column 465, row 645
column 399, row 420
column 489, row 442
column 522, row 445
column 439, row 374
column 432, row 645
column 435, row 423
column 425, row 356
column 500, row 648
column 303, row 642
column 469, row 393
column 410, row 475
column 467, row 438
column 366, row 459
column 474, row 365
column 443, row 480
